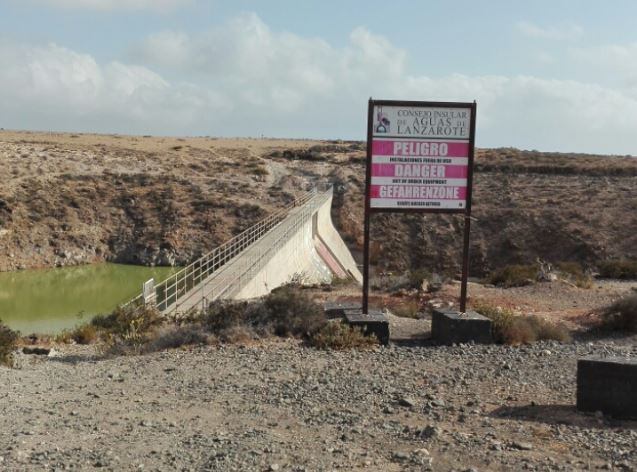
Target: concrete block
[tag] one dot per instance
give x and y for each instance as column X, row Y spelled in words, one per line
column 449, row 327
column 374, row 322
column 608, row 385
column 337, row 309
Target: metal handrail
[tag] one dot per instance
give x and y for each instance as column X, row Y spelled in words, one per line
column 251, row 265
column 169, row 292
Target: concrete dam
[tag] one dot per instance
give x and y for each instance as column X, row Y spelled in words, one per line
column 298, row 243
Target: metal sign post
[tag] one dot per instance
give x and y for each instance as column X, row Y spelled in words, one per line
column 419, row 160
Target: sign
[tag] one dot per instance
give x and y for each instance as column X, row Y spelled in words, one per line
column 419, row 159
column 148, row 290
column 420, row 156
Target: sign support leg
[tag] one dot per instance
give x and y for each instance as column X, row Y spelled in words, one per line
column 366, row 266
column 465, row 264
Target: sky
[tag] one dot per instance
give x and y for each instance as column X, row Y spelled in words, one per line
column 552, row 75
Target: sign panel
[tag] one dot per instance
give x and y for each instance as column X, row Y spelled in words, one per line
column 148, row 289
column 420, row 156
column 419, row 159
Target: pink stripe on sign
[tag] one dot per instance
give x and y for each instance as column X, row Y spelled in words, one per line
column 418, row 192
column 420, row 171
column 420, row 148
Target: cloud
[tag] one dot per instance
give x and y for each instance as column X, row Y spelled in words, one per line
column 105, row 5
column 49, row 87
column 614, row 60
column 563, row 32
column 244, row 79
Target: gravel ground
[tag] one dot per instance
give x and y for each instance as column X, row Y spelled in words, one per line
column 278, row 405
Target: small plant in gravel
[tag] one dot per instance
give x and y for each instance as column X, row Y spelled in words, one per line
column 624, row 269
column 417, row 276
column 83, row 334
column 576, row 274
column 407, row 309
column 129, row 322
column 8, row 344
column 621, row 315
column 512, row 329
column 173, row 337
column 514, row 276
column 339, row 335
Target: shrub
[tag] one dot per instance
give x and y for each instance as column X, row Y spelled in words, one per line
column 407, row 309
column 341, row 281
column 292, row 312
column 622, row 315
column 575, row 272
column 512, row 329
column 8, row 344
column 618, row 269
column 223, row 315
column 339, row 335
column 287, row 311
column 85, row 334
column 417, row 276
column 129, row 322
column 514, row 276
column 173, row 337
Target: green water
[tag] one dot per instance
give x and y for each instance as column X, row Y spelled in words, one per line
column 49, row 301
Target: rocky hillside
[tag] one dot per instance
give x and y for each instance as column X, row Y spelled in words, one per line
column 72, row 199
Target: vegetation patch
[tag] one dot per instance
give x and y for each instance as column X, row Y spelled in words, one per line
column 8, row 344
column 514, row 276
column 287, row 311
column 512, row 329
column 575, row 274
column 83, row 334
column 625, row 269
column 621, row 315
column 407, row 309
column 339, row 335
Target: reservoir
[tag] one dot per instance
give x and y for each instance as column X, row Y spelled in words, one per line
column 48, row 301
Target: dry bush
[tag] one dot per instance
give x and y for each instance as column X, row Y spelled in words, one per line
column 8, row 344
column 407, row 309
column 287, row 311
column 514, row 276
column 512, row 329
column 417, row 277
column 339, row 335
column 83, row 334
column 173, row 337
column 621, row 315
column 575, row 272
column 129, row 322
column 292, row 312
column 624, row 269
column 342, row 282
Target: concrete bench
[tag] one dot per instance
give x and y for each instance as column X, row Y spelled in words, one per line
column 608, row 385
column 452, row 327
column 374, row 322
column 338, row 309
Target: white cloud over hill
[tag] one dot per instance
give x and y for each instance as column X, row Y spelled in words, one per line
column 244, row 79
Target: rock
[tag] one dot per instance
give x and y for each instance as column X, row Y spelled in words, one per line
column 274, row 467
column 400, row 456
column 428, row 432
column 522, row 446
column 407, row 402
column 38, row 351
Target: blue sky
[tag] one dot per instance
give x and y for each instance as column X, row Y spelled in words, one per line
column 549, row 75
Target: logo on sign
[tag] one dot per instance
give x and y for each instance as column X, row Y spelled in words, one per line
column 382, row 122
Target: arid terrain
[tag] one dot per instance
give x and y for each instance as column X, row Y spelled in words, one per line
column 278, row 404
column 72, row 199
